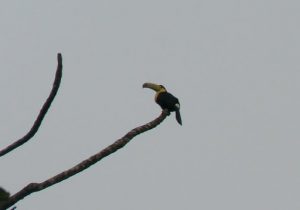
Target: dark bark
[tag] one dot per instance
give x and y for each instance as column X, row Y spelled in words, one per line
column 42, row 113
column 35, row 187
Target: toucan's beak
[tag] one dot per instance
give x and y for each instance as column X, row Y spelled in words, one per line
column 152, row 86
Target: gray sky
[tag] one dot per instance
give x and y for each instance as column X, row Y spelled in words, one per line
column 234, row 65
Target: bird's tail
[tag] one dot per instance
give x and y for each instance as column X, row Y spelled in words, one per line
column 178, row 117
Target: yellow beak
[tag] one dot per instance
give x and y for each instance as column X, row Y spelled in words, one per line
column 152, row 86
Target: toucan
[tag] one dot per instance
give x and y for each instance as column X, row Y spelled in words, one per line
column 165, row 99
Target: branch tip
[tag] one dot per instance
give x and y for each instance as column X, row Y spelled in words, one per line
column 59, row 58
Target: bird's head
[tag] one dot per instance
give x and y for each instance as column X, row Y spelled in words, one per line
column 155, row 87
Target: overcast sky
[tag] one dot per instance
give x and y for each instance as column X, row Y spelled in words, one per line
column 234, row 65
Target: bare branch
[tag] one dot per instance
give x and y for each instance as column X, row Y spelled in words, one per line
column 35, row 187
column 42, row 113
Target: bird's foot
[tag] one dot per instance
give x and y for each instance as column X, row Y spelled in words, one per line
column 167, row 112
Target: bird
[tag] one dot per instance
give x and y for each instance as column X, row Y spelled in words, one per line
column 165, row 99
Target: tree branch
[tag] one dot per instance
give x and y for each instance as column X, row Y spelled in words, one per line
column 42, row 113
column 35, row 187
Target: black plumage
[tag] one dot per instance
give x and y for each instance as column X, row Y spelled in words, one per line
column 168, row 101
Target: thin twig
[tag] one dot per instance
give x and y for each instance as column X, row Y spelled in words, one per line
column 42, row 113
column 35, row 187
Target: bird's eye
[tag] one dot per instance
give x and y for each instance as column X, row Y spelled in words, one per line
column 162, row 86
